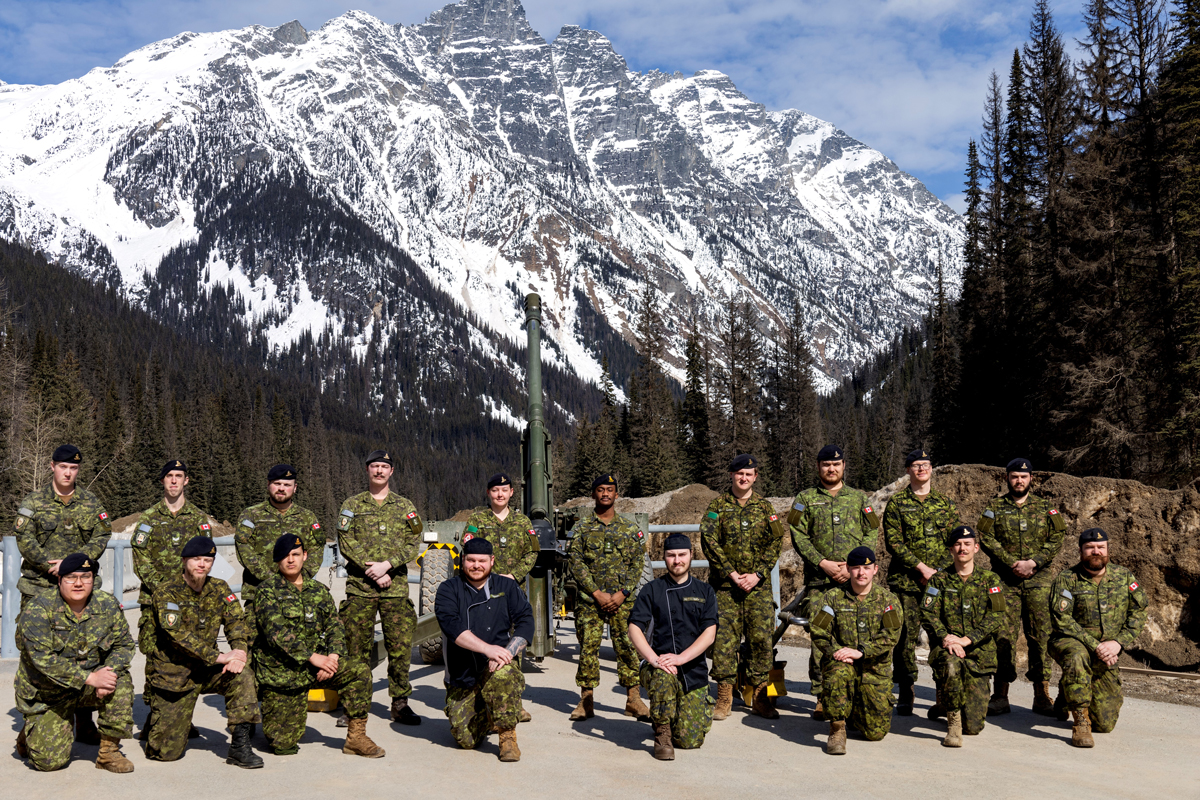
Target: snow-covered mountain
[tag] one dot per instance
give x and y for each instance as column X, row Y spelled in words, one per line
column 294, row 166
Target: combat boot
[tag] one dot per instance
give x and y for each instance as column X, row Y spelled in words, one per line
column 240, row 754
column 111, row 758
column 22, row 747
column 634, row 707
column 999, row 702
column 358, row 743
column 953, row 729
column 85, row 729
column 762, row 703
column 904, row 707
column 818, row 713
column 1081, row 732
column 402, row 713
column 586, row 708
column 508, row 745
column 664, row 749
column 525, row 716
column 836, row 745
column 938, row 709
column 724, row 704
column 1042, row 704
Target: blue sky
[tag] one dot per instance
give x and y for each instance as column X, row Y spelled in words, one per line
column 905, row 76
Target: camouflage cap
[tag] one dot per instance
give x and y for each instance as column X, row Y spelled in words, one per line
column 68, row 453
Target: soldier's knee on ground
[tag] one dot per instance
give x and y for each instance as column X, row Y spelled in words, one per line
column 49, row 738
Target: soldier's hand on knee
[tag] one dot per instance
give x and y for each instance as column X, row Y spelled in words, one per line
column 847, row 655
column 103, row 680
column 1109, row 652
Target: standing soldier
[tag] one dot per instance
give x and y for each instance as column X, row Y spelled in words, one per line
column 189, row 612
column 679, row 613
column 741, row 536
column 261, row 526
column 299, row 647
column 962, row 610
column 916, row 526
column 827, row 522
column 1097, row 610
column 75, row 651
column 380, row 532
column 1022, row 533
column 52, row 523
column 608, row 556
column 856, row 627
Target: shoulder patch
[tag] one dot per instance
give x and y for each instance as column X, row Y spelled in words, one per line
column 828, row 611
column 1133, row 586
column 103, row 515
column 472, row 529
column 347, row 512
column 1067, row 594
column 987, row 512
column 933, row 590
column 774, row 518
column 994, row 590
column 798, row 506
column 25, row 512
column 144, row 528
column 247, row 523
column 204, row 526
column 231, row 598
column 713, row 515
column 641, row 535
column 410, row 515
column 467, row 537
column 140, row 538
column 532, row 532
column 172, row 607
column 868, row 510
column 316, row 526
column 1053, row 511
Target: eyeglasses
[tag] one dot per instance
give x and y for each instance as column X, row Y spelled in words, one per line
column 78, row 577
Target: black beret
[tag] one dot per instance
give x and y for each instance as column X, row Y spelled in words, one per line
column 172, row 466
column 1093, row 535
column 962, row 532
column 744, row 461
column 677, row 541
column 284, row 545
column 199, row 546
column 499, row 479
column 379, row 455
column 831, row 452
column 1019, row 465
column 603, row 480
column 281, row 472
column 67, row 452
column 77, row 562
column 860, row 557
column 917, row 455
column 477, row 546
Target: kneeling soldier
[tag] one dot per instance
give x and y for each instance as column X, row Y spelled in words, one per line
column 855, row 630
column 189, row 612
column 680, row 614
column 963, row 609
column 1097, row 610
column 300, row 646
column 476, row 610
column 75, row 653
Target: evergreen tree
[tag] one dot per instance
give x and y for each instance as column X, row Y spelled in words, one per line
column 697, row 448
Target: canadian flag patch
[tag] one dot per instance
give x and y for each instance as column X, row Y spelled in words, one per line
column 229, row 598
column 410, row 514
column 1053, row 511
column 868, row 510
column 103, row 515
column 774, row 518
column 316, row 526
column 994, row 590
column 641, row 535
column 1133, row 586
column 532, row 532
column 467, row 537
column 204, row 526
column 889, row 608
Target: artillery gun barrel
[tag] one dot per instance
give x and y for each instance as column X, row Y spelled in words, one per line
column 537, row 473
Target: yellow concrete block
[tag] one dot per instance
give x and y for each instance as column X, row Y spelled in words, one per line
column 322, row 699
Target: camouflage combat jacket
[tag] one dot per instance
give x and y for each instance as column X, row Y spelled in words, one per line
column 609, row 557
column 258, row 528
column 870, row 624
column 828, row 527
column 916, row 532
column 1009, row 533
column 744, row 539
column 292, row 625
column 973, row 608
column 1112, row 609
column 186, row 625
column 158, row 539
column 514, row 541
column 60, row 650
column 48, row 529
column 369, row 531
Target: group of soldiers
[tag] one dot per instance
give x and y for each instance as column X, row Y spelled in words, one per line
column 286, row 635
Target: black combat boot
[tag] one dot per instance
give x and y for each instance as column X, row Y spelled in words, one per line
column 240, row 754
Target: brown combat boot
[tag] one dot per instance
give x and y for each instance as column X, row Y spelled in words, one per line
column 110, row 756
column 724, row 701
column 586, row 708
column 525, row 715
column 818, row 713
column 508, row 745
column 938, row 709
column 1081, row 732
column 402, row 713
column 358, row 743
column 953, row 729
column 836, row 745
column 1042, row 704
column 634, row 707
column 85, row 729
column 664, row 749
column 22, row 747
column 999, row 703
column 904, row 707
column 762, row 703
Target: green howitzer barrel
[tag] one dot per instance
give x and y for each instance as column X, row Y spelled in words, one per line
column 538, row 498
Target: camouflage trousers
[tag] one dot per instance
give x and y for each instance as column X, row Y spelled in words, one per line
column 904, row 656
column 961, row 688
column 1028, row 609
column 861, row 694
column 494, row 700
column 589, row 627
column 285, row 709
column 1087, row 682
column 171, row 712
column 49, row 734
column 688, row 713
column 751, row 616
column 809, row 608
column 398, row 619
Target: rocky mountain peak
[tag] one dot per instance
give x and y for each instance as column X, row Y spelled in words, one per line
column 482, row 19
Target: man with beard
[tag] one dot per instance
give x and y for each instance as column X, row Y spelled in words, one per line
column 1022, row 533
column 827, row 522
column 1097, row 610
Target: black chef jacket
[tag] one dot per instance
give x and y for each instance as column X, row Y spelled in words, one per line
column 673, row 616
column 489, row 613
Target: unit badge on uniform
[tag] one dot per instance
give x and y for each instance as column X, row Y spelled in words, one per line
column 140, row 539
column 21, row 522
column 171, row 619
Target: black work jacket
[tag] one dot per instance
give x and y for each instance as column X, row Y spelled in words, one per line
column 673, row 616
column 489, row 613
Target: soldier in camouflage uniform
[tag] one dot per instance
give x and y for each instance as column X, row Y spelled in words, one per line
column 75, row 651
column 607, row 555
column 962, row 610
column 189, row 612
column 52, row 523
column 262, row 524
column 1022, row 533
column 827, row 522
column 299, row 647
column 916, row 524
column 741, row 536
column 380, row 532
column 855, row 630
column 1097, row 609
column 510, row 532
column 679, row 613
